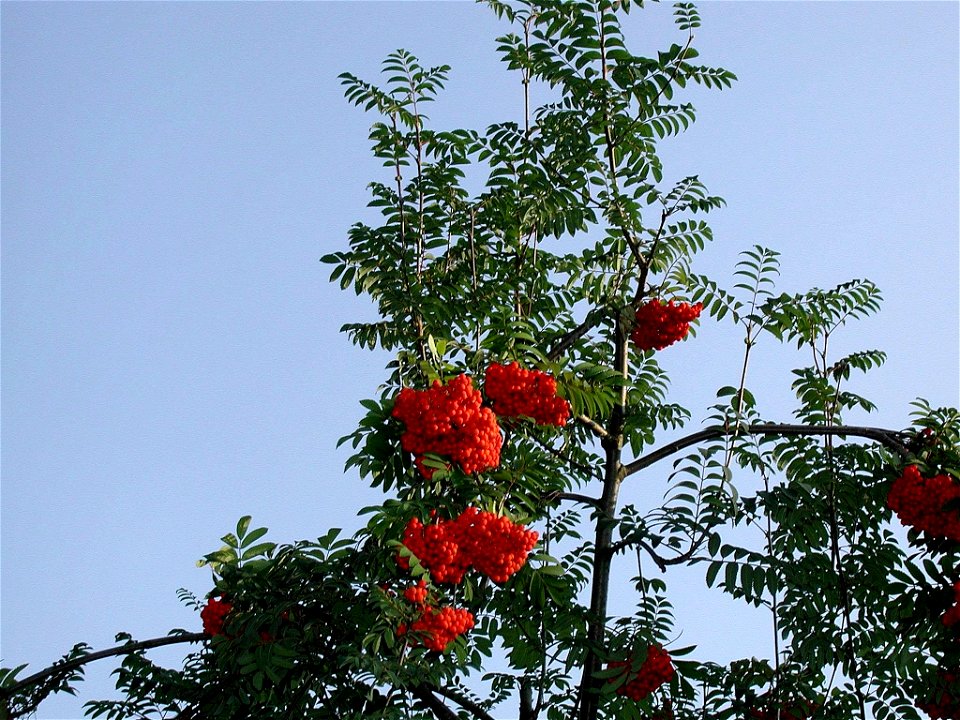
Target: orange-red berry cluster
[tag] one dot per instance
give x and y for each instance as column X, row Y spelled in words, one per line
column 514, row 391
column 417, row 594
column 434, row 627
column 437, row 548
column 449, row 420
column 213, row 616
column 919, row 502
column 498, row 547
column 493, row 545
column 654, row 672
column 438, row 627
column 658, row 325
column 952, row 616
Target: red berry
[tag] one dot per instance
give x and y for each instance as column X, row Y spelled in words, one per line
column 213, row 616
column 941, row 705
column 952, row 616
column 493, row 545
column 658, row 325
column 919, row 502
column 449, row 420
column 416, row 593
column 654, row 672
column 514, row 391
column 440, row 627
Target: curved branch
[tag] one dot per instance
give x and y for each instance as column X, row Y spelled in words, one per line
column 661, row 562
column 892, row 439
column 574, row 497
column 425, row 694
column 433, row 703
column 63, row 667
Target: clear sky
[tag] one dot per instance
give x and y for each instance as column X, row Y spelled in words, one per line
column 171, row 173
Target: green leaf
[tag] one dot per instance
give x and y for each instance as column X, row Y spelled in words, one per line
column 713, row 570
column 261, row 549
column 253, row 536
column 242, row 526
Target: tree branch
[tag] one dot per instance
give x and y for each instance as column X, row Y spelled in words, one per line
column 127, row 649
column 566, row 341
column 595, row 427
column 892, row 439
column 661, row 562
column 425, row 694
column 575, row 497
column 433, row 703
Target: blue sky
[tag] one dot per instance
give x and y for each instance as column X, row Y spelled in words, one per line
column 171, row 173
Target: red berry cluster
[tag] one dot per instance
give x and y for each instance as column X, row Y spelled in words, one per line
column 417, row 594
column 437, row 548
column 658, row 325
column 497, row 546
column 493, row 545
column 952, row 616
column 655, row 671
column 513, row 391
column 213, row 616
column 919, row 501
column 448, row 420
column 438, row 627
column 664, row 713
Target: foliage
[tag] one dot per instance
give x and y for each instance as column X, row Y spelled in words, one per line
column 467, row 273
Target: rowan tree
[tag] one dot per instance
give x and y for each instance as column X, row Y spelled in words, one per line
column 527, row 278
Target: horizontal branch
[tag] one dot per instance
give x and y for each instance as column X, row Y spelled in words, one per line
column 575, row 497
column 890, row 438
column 593, row 425
column 434, row 704
column 64, row 667
column 464, row 702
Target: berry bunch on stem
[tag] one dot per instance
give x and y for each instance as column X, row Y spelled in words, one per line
column 658, row 325
column 449, row 421
column 922, row 503
column 214, row 614
column 493, row 545
column 438, row 627
column 656, row 670
column 514, row 391
column 942, row 703
column 952, row 616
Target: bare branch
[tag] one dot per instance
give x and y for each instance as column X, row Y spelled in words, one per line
column 428, row 696
column 892, row 439
column 595, row 427
column 440, row 710
column 60, row 668
column 585, row 499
